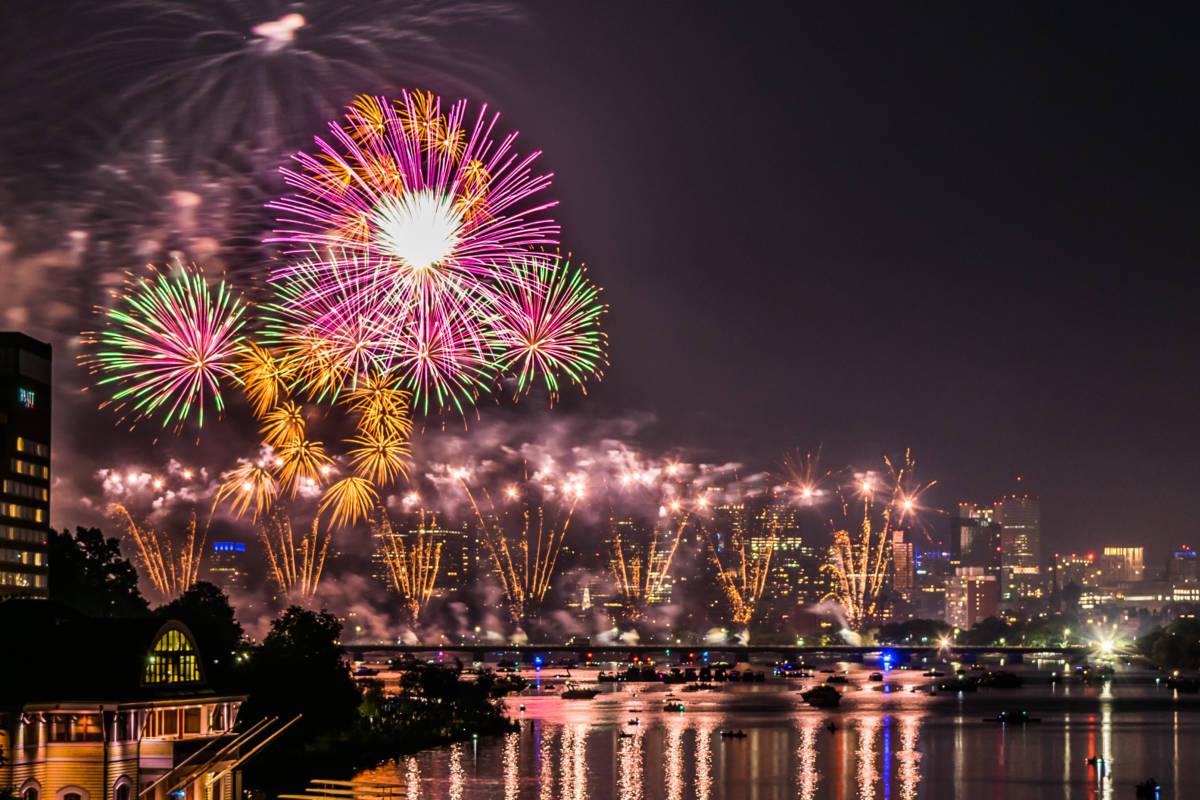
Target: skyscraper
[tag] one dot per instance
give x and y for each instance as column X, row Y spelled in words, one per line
column 1019, row 518
column 971, row 596
column 227, row 566
column 903, row 566
column 25, row 471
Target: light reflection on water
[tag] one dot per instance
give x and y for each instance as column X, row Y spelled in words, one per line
column 877, row 746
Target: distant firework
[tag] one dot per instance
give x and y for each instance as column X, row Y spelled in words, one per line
column 296, row 565
column 413, row 559
column 524, row 541
column 861, row 552
column 641, row 565
column 167, row 346
column 743, row 571
column 171, row 572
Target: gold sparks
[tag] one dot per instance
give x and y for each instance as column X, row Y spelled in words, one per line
column 641, row 564
column 296, row 566
column 249, row 485
column 283, row 425
column 303, row 460
column 743, row 573
column 348, row 501
column 412, row 560
column 170, row 573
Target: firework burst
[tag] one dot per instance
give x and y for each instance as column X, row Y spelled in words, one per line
column 348, row 501
column 170, row 573
column 250, row 485
column 551, row 326
column 414, row 224
column 168, row 344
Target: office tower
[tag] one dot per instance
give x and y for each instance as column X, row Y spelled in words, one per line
column 1019, row 518
column 903, row 566
column 1183, row 568
column 975, row 538
column 456, row 562
column 1122, row 565
column 971, row 595
column 1083, row 570
column 227, row 566
column 25, row 471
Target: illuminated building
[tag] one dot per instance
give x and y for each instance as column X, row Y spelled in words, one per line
column 456, row 564
column 25, row 471
column 124, row 722
column 227, row 566
column 903, row 567
column 1122, row 565
column 971, row 595
column 933, row 567
column 975, row 539
column 1083, row 570
column 1019, row 518
column 1183, row 568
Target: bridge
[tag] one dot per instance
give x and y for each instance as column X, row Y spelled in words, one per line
column 526, row 653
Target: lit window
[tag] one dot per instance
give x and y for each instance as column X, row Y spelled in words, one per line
column 172, row 659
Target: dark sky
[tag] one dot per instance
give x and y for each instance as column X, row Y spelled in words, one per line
column 968, row 232
column 965, row 231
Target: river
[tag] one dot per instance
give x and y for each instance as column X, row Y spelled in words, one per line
column 884, row 741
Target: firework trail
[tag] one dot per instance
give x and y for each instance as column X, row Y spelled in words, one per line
column 524, row 561
column 641, row 564
column 348, row 501
column 858, row 561
column 743, row 574
column 296, row 567
column 171, row 574
column 413, row 560
column 167, row 346
column 223, row 76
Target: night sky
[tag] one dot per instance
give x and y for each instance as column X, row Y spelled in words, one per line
column 962, row 231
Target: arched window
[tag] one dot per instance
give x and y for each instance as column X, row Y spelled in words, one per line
column 122, row 789
column 71, row 793
column 32, row 790
column 172, row 659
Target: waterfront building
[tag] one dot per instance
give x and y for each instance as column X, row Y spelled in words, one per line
column 112, row 710
column 971, row 595
column 25, row 469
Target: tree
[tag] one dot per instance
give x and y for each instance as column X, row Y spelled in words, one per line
column 992, row 630
column 205, row 609
column 298, row 669
column 89, row 574
column 1176, row 646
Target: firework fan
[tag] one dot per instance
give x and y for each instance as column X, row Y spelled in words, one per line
column 169, row 343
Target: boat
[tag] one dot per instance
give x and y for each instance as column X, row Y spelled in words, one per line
column 822, row 696
column 1013, row 718
column 624, row 735
column 1183, row 684
column 733, row 734
column 933, row 673
column 875, row 676
column 672, row 705
column 955, row 685
column 1148, row 790
column 573, row 691
column 1001, row 679
column 840, row 679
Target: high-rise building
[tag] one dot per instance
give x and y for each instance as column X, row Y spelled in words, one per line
column 456, row 557
column 971, row 595
column 1019, row 518
column 1081, row 569
column 975, row 539
column 1122, row 565
column 1183, row 567
column 903, row 566
column 227, row 566
column 25, row 471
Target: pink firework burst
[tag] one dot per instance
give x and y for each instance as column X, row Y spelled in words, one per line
column 413, row 220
